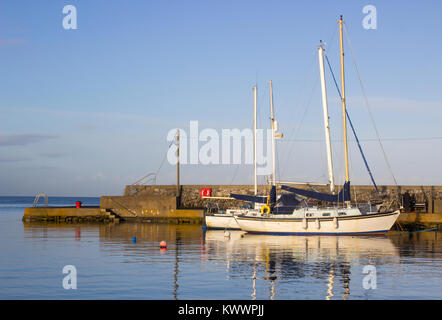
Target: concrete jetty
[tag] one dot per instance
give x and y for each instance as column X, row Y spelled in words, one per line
column 418, row 220
column 68, row 214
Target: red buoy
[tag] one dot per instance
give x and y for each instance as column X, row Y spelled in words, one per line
column 78, row 204
column 163, row 245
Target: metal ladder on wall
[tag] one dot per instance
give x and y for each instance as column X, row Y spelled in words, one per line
column 37, row 197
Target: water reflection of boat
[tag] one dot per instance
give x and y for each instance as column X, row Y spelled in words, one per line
column 297, row 258
column 314, row 246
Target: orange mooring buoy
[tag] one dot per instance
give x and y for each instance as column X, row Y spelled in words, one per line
column 163, row 245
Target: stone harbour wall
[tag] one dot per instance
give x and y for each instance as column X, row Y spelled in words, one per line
column 429, row 196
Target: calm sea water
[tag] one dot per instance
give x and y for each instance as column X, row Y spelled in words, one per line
column 207, row 265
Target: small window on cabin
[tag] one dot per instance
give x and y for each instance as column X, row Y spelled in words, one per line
column 326, row 214
column 342, row 214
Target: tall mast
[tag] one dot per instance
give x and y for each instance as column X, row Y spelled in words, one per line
column 254, row 139
column 326, row 118
column 344, row 117
column 178, row 162
column 272, row 123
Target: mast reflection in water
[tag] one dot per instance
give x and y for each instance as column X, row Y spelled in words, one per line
column 325, row 261
column 208, row 265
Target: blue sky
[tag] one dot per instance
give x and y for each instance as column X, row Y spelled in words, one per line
column 87, row 111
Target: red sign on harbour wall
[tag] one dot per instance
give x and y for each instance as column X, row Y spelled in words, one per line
column 206, row 192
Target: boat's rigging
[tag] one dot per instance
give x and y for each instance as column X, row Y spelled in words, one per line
column 287, row 214
column 340, row 140
column 344, row 194
column 259, row 122
column 368, row 106
column 352, row 128
column 307, row 106
column 235, row 173
column 364, row 140
column 295, row 130
column 362, row 153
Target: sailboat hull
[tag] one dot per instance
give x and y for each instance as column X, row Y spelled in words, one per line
column 376, row 223
column 221, row 221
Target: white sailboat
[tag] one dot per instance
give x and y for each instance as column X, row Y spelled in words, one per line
column 343, row 218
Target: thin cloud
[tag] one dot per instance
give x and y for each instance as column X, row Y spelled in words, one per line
column 53, row 155
column 24, row 139
column 14, row 159
column 11, row 42
column 88, row 127
column 40, row 167
column 85, row 114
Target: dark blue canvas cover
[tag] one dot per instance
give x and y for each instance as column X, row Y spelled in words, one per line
column 342, row 196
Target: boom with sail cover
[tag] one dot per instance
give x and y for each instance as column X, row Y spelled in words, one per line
column 245, row 197
column 342, row 196
column 258, row 199
column 284, row 204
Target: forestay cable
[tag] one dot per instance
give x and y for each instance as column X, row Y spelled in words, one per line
column 352, row 128
column 368, row 106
